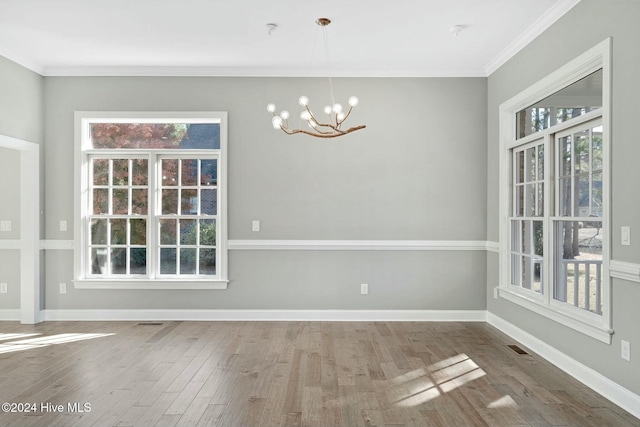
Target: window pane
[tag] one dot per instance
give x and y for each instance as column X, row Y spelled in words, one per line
column 530, row 160
column 582, row 149
column 169, row 172
column 139, row 204
column 519, row 167
column 515, row 270
column 537, row 276
column 118, row 232
column 208, row 232
column 138, row 231
column 530, row 200
column 519, row 201
column 540, row 162
column 208, row 261
column 188, row 261
column 525, row 237
column 156, row 135
column 597, row 148
column 98, row 231
column 168, row 231
column 208, row 202
column 584, row 193
column 540, row 206
column 572, row 101
column 564, row 196
column 565, row 156
column 100, row 201
column 189, row 202
column 138, row 263
column 538, row 238
column 527, row 272
column 120, row 201
column 120, row 172
column 100, row 172
column 140, row 174
column 98, row 261
column 596, row 185
column 169, row 201
column 516, row 236
column 168, row 261
column 189, row 172
column 188, row 231
column 118, row 261
column 209, row 172
column 578, row 272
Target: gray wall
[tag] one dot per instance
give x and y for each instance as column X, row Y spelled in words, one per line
column 414, row 173
column 21, row 116
column 589, row 23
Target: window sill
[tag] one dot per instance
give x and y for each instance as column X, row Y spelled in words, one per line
column 179, row 284
column 595, row 331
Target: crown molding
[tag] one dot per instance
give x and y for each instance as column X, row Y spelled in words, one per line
column 533, row 31
column 162, row 71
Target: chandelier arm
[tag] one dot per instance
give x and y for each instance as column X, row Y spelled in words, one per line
column 324, row 135
column 328, row 125
column 346, row 116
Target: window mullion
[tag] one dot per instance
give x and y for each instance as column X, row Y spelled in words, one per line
column 548, row 210
column 152, row 215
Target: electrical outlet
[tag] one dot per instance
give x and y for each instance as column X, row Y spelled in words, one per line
column 255, row 225
column 63, row 288
column 63, row 225
column 625, row 350
column 3, row 288
column 5, row 225
column 364, row 289
column 495, row 293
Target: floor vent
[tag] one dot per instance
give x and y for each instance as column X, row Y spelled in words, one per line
column 517, row 349
column 150, row 324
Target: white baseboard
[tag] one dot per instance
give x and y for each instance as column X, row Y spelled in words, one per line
column 617, row 394
column 9, row 314
column 270, row 315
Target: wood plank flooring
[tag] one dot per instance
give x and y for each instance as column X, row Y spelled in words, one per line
column 286, row 374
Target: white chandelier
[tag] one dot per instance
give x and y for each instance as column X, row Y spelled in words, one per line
column 330, row 127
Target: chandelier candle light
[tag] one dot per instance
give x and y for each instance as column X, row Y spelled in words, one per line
column 328, row 128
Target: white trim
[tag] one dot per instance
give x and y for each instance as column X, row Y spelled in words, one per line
column 10, row 244
column 82, row 119
column 9, row 314
column 624, row 270
column 595, row 58
column 180, row 284
column 602, row 333
column 493, row 247
column 56, row 245
column 614, row 392
column 361, row 245
column 21, row 60
column 29, row 242
column 270, row 315
column 531, row 33
column 257, row 72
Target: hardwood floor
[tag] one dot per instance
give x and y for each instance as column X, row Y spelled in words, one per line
column 286, row 374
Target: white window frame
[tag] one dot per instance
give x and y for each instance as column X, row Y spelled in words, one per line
column 83, row 153
column 595, row 326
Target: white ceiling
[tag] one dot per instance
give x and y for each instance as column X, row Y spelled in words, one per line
column 213, row 37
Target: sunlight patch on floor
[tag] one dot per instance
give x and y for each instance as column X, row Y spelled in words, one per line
column 504, row 402
column 39, row 342
column 419, row 386
column 4, row 337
